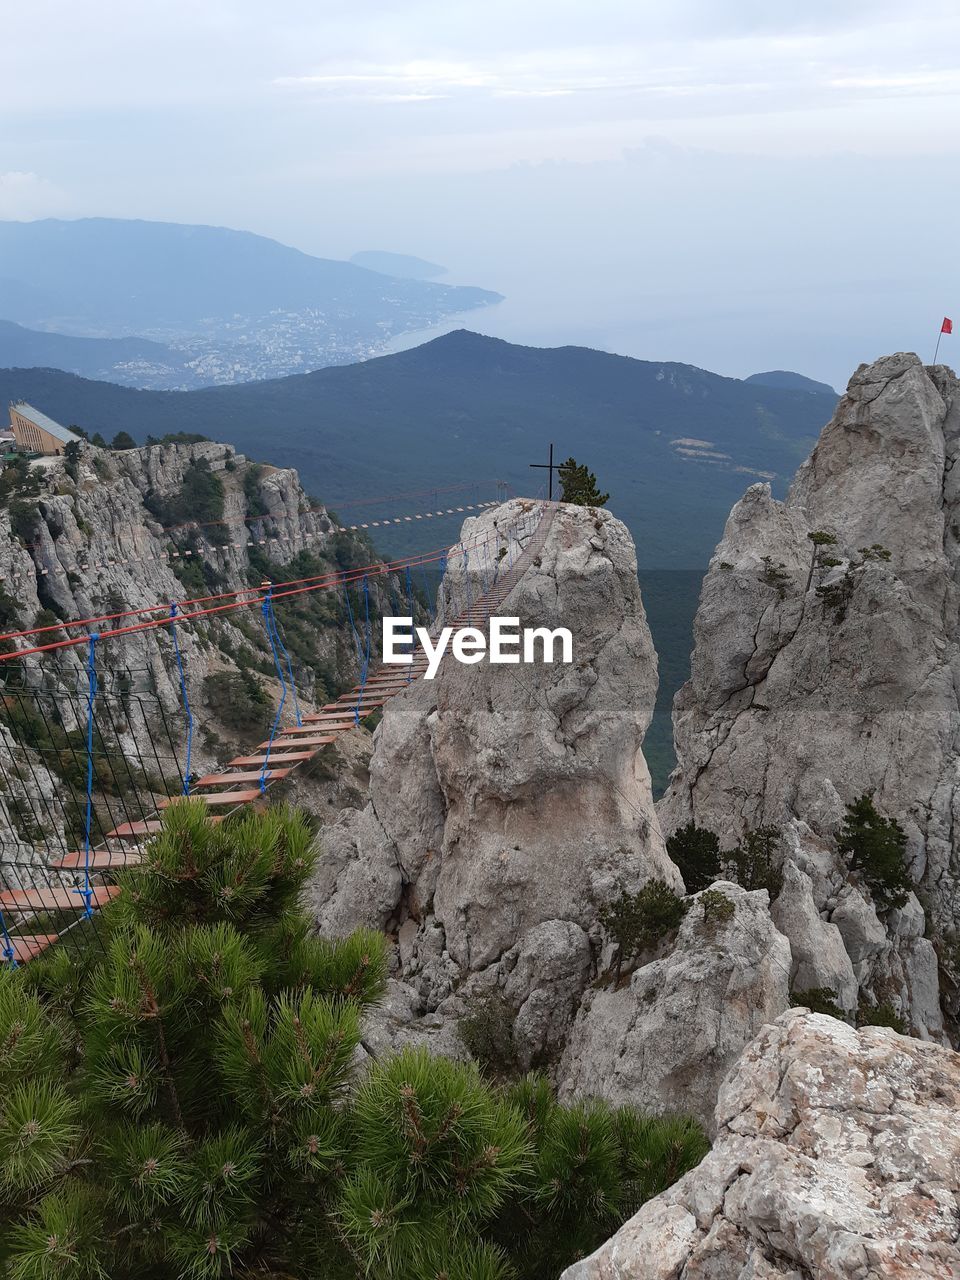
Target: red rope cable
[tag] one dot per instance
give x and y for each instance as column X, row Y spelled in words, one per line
column 316, row 583
column 375, row 567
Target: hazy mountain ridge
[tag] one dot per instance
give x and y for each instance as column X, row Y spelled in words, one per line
column 402, row 265
column 240, row 304
column 787, row 380
column 664, row 438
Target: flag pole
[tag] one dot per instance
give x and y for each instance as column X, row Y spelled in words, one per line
column 946, row 326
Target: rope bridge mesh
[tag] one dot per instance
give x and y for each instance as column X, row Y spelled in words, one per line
column 89, row 756
column 137, row 758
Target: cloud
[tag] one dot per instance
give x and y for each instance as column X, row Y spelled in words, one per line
column 436, row 78
column 748, row 71
column 25, row 195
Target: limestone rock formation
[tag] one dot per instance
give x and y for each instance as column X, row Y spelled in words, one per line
column 816, row 681
column 837, row 1157
column 665, row 1039
column 819, row 957
column 96, row 546
column 507, row 803
column 89, row 540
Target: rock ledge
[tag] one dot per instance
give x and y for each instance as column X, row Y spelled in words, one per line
column 837, row 1158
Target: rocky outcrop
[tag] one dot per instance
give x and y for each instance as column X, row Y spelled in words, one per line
column 666, row 1038
column 97, row 544
column 508, row 803
column 93, row 539
column 837, row 1157
column 817, row 680
column 820, row 959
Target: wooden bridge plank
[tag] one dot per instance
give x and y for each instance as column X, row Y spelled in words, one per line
column 224, row 779
column 330, row 721
column 29, row 945
column 306, row 728
column 276, row 755
column 219, row 797
column 292, row 742
column 55, row 899
column 99, row 858
column 137, row 830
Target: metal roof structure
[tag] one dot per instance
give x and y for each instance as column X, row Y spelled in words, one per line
column 41, row 420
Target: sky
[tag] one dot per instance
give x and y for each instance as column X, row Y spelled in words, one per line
column 741, row 185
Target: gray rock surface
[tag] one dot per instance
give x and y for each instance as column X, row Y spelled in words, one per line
column 546, row 975
column 399, row 1021
column 665, row 1039
column 508, row 803
column 837, row 1157
column 95, row 547
column 820, row 958
column 807, row 690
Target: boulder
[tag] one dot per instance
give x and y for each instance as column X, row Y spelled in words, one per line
column 545, row 976
column 820, row 958
column 666, row 1038
column 837, row 1157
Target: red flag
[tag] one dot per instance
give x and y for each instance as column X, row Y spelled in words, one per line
column 947, row 326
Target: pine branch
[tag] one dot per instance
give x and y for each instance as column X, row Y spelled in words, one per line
column 151, row 1010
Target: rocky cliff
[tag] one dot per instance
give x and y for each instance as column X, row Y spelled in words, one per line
column 665, row 1039
column 118, row 531
column 837, row 1157
column 826, row 668
column 509, row 807
column 509, row 803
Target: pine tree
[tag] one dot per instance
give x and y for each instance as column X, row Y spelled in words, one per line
column 579, row 486
column 215, row 1045
column 593, row 1166
column 876, row 847
column 187, row 1103
column 696, row 852
column 637, row 921
column 756, row 863
column 819, row 538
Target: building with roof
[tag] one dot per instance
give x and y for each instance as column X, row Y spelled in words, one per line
column 34, row 432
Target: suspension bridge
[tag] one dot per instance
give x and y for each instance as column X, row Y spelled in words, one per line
column 78, row 882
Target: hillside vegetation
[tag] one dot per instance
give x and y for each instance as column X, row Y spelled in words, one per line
column 675, row 445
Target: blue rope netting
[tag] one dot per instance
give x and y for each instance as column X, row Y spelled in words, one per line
column 412, row 616
column 484, row 553
column 267, row 610
column 87, row 892
column 353, row 626
column 426, row 588
column 466, row 576
column 9, row 953
column 441, row 597
column 393, row 592
column 187, row 772
column 366, row 658
column 286, row 657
